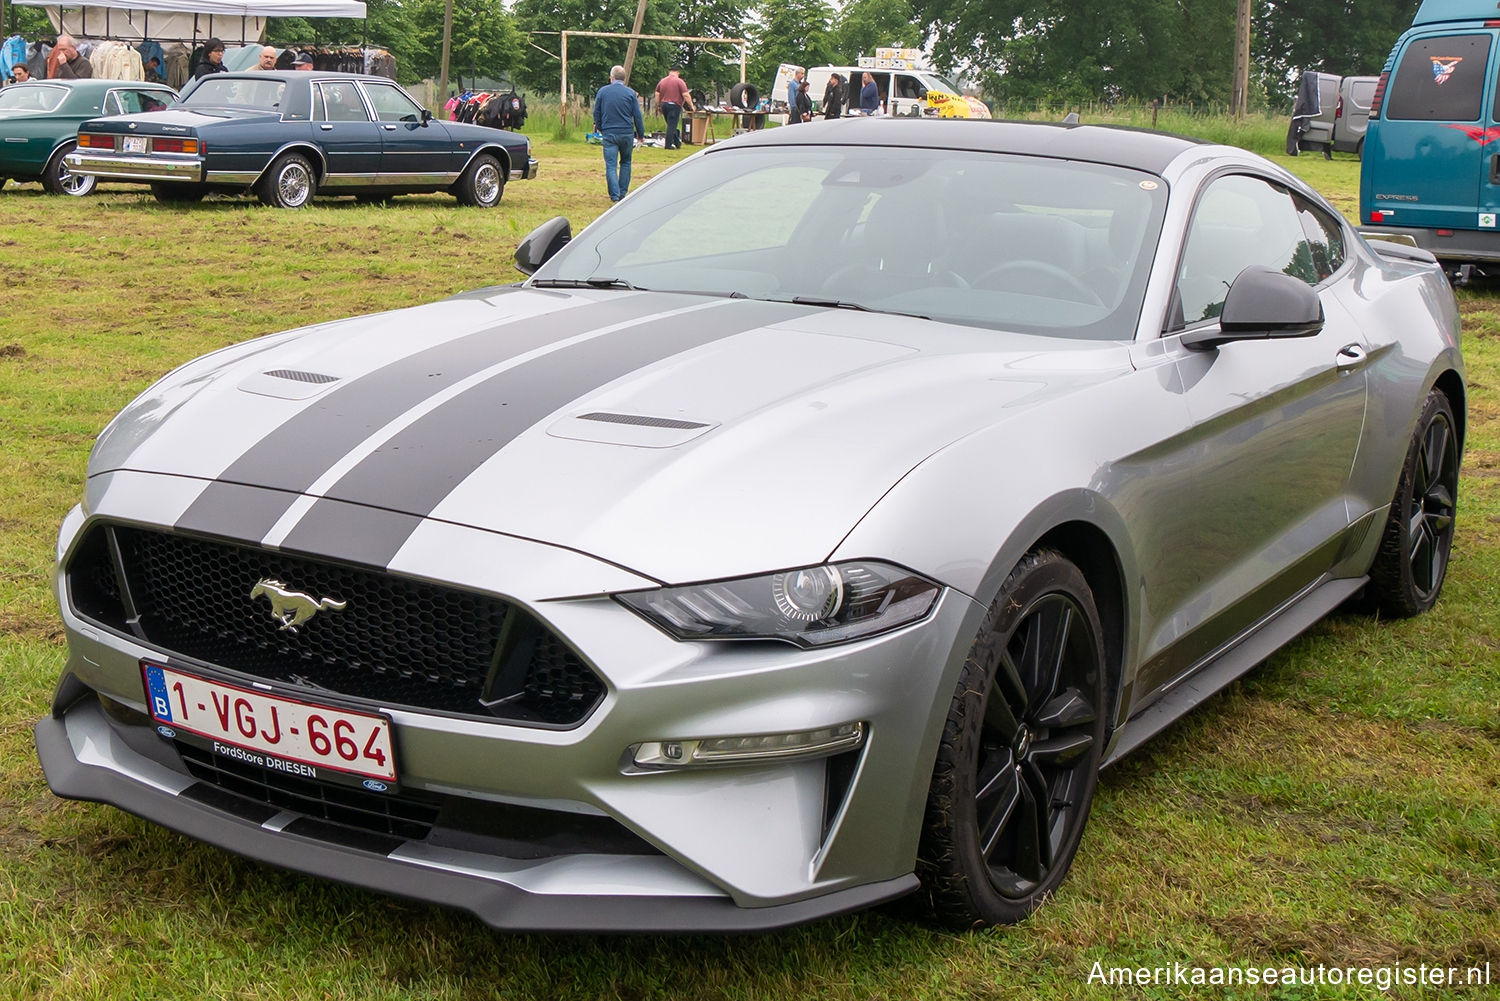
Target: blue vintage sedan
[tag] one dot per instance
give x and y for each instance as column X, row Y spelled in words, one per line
column 289, row 135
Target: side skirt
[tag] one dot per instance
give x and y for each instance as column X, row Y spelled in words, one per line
column 1236, row 659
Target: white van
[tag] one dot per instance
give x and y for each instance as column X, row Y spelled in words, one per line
column 908, row 93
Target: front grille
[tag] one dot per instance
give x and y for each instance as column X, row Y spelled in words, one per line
column 400, row 816
column 395, row 641
column 459, row 822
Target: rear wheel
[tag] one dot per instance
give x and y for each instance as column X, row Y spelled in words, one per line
column 169, row 193
column 289, row 184
column 482, row 184
column 1408, row 572
column 59, row 180
column 1019, row 758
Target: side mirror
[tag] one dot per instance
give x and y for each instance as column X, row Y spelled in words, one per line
column 1262, row 304
column 426, row 117
column 542, row 244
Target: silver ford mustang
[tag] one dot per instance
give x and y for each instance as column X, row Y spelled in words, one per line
column 808, row 531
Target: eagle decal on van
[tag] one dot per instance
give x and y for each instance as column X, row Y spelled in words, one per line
column 1443, row 67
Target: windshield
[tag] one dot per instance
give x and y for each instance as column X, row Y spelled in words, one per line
column 935, row 82
column 32, row 98
column 989, row 240
column 236, row 92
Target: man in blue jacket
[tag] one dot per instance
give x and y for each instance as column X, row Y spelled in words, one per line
column 617, row 116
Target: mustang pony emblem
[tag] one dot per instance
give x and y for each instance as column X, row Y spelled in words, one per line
column 291, row 608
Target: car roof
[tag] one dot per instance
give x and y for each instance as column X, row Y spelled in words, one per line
column 1140, row 149
column 290, row 76
column 91, row 83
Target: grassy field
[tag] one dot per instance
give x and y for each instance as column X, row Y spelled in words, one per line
column 1339, row 806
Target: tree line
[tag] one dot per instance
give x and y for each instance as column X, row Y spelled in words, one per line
column 1018, row 51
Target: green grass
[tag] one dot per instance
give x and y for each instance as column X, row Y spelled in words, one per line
column 1340, row 805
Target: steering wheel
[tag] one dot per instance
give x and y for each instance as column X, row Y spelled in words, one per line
column 1059, row 279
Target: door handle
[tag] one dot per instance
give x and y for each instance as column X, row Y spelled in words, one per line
column 389, row 128
column 326, row 128
column 1349, row 358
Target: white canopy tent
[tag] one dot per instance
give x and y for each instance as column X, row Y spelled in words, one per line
column 240, row 22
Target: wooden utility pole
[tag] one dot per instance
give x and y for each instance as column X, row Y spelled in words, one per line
column 640, row 18
column 447, row 48
column 1240, row 101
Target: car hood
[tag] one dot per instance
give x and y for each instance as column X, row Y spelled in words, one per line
column 682, row 437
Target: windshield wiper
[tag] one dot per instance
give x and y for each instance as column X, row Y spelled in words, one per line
column 587, row 283
column 812, row 300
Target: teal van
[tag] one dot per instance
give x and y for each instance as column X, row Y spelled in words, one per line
column 1431, row 170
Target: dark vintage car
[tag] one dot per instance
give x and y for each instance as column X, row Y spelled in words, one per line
column 289, row 135
column 39, row 125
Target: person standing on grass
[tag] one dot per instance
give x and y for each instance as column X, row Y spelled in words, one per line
column 19, row 73
column 617, row 116
column 796, row 90
column 672, row 94
column 869, row 97
column 268, row 56
column 833, row 96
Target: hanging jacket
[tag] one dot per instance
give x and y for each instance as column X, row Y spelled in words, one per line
column 12, row 54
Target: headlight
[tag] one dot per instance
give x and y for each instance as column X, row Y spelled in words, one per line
column 809, row 606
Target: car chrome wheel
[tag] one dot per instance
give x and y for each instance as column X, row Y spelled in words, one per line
column 289, row 184
column 293, row 185
column 59, row 180
column 487, row 183
column 483, row 183
column 1409, row 570
column 1019, row 758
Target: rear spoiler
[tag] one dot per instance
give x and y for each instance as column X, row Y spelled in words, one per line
column 1397, row 247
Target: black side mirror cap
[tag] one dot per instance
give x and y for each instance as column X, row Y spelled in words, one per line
column 1262, row 304
column 542, row 244
column 426, row 117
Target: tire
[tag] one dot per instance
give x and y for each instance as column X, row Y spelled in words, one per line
column 1019, row 758
column 170, row 193
column 1359, row 151
column 59, row 180
column 4, row 181
column 744, row 95
column 483, row 183
column 289, row 184
column 1407, row 575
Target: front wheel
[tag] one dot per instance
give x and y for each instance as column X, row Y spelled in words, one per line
column 289, row 184
column 59, row 180
column 1409, row 570
column 1019, row 758
column 482, row 184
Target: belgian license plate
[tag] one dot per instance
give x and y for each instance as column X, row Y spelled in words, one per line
column 134, row 144
column 278, row 734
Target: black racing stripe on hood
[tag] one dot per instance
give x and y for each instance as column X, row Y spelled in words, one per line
column 419, row 467
column 292, row 456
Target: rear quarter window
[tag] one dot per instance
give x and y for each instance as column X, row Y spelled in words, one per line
column 1440, row 79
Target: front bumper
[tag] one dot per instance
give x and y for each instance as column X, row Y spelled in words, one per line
column 136, row 168
column 531, row 169
column 84, row 759
column 729, row 848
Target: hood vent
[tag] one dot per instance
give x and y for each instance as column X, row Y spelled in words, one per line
column 639, row 420
column 637, row 430
column 288, row 383
column 316, row 378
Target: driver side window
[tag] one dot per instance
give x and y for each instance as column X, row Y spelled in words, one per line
column 1239, row 221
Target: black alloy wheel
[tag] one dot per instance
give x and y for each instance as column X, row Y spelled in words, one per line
column 1019, row 758
column 1409, row 570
